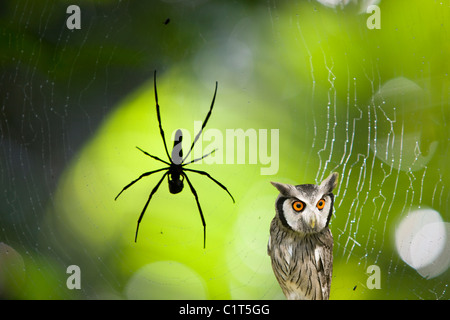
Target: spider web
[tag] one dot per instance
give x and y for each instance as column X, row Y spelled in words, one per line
column 371, row 105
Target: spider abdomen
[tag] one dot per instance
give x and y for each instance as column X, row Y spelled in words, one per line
column 175, row 183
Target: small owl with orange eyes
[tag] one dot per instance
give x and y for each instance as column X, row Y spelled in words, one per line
column 301, row 244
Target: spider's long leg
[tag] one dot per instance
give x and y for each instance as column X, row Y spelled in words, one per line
column 146, row 204
column 154, row 157
column 159, row 118
column 199, row 208
column 203, row 124
column 140, row 177
column 207, row 174
column 198, row 159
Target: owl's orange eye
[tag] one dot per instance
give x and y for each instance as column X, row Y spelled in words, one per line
column 320, row 204
column 298, row 206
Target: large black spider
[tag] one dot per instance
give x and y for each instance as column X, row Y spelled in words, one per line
column 176, row 170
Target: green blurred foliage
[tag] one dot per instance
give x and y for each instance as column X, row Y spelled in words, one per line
column 372, row 105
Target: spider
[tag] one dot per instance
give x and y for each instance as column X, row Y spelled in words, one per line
column 176, row 166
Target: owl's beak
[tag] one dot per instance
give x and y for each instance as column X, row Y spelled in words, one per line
column 313, row 222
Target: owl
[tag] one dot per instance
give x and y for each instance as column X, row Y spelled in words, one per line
column 300, row 243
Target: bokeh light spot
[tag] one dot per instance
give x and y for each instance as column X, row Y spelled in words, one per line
column 422, row 241
column 166, row 280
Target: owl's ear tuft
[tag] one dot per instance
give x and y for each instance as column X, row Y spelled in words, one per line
column 282, row 187
column 330, row 182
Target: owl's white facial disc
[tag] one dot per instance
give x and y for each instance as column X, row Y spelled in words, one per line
column 306, row 208
column 300, row 221
column 304, row 214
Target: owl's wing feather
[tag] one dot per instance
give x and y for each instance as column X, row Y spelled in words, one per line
column 269, row 248
column 324, row 263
